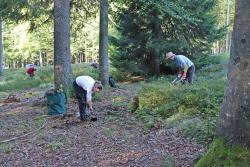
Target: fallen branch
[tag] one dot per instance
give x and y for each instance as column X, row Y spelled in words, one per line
column 14, row 138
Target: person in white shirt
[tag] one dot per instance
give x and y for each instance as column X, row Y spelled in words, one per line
column 84, row 86
column 186, row 67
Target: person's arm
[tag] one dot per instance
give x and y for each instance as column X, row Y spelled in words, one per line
column 90, row 105
column 178, row 77
column 89, row 100
column 179, row 73
column 185, row 69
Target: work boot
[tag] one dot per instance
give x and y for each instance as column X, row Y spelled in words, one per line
column 93, row 117
column 85, row 118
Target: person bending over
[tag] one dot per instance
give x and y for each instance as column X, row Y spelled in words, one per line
column 185, row 65
column 84, row 86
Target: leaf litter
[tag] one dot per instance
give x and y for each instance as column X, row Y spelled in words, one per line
column 116, row 139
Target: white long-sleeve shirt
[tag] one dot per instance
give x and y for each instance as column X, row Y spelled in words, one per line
column 87, row 83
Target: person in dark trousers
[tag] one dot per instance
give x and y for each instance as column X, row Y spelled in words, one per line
column 186, row 68
column 112, row 82
column 84, row 86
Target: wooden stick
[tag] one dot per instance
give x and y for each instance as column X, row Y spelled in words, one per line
column 14, row 138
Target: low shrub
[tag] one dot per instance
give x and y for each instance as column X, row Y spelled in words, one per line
column 207, row 60
column 192, row 109
column 84, row 69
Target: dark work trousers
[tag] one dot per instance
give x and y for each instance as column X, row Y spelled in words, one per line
column 81, row 97
column 190, row 74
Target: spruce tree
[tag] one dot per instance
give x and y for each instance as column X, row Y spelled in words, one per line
column 149, row 28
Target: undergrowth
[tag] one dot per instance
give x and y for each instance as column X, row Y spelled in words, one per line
column 17, row 79
column 191, row 109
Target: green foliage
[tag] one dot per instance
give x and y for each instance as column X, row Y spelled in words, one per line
column 40, row 120
column 109, row 132
column 204, row 61
column 84, row 69
column 28, row 31
column 53, row 146
column 168, row 161
column 57, row 143
column 12, row 9
column 192, row 109
column 222, row 154
column 202, row 129
column 16, row 79
column 146, row 28
column 20, row 85
column 165, row 100
column 6, row 147
column 45, row 74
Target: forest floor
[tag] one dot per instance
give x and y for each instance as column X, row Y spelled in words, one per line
column 29, row 137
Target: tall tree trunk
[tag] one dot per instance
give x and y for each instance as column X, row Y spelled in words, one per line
column 234, row 122
column 1, row 47
column 103, row 45
column 62, row 58
column 154, row 55
column 228, row 22
column 40, row 58
column 154, row 62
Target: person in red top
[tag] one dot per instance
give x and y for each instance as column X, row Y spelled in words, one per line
column 30, row 70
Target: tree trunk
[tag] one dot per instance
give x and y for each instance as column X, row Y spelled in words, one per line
column 62, row 58
column 155, row 62
column 103, row 45
column 40, row 58
column 154, row 55
column 228, row 22
column 1, row 47
column 234, row 122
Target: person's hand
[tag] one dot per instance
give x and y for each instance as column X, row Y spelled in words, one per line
column 179, row 75
column 174, row 81
column 183, row 77
column 90, row 105
column 90, row 109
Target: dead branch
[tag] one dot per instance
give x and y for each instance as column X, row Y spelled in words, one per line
column 14, row 138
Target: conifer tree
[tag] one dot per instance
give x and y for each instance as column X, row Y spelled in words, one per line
column 149, row 28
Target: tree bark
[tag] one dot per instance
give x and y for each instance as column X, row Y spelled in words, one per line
column 62, row 57
column 103, row 43
column 1, row 47
column 154, row 55
column 154, row 62
column 40, row 58
column 234, row 122
column 228, row 22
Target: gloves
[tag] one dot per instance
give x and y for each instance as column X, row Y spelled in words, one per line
column 180, row 78
column 184, row 75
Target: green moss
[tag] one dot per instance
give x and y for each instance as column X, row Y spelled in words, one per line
column 221, row 154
